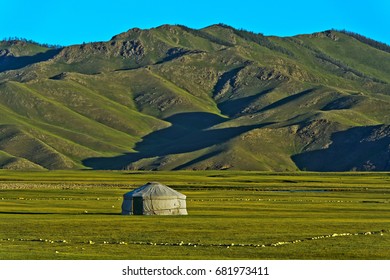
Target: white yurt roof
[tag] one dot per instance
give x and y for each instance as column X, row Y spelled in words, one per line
column 154, row 190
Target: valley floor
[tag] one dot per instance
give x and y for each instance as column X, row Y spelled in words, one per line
column 232, row 215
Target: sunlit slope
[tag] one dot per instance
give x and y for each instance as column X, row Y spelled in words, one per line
column 171, row 98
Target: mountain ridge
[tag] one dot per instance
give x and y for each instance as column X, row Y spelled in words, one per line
column 172, row 97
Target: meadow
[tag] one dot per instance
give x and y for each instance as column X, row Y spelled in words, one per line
column 232, row 215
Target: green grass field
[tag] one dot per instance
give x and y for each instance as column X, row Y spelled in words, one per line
column 232, row 215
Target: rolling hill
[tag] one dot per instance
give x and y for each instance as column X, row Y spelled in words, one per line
column 171, row 98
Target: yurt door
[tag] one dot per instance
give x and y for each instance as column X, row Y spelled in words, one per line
column 138, row 207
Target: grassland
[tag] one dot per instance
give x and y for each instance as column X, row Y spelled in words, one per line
column 232, row 215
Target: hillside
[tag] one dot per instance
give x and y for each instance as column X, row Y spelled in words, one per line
column 171, row 98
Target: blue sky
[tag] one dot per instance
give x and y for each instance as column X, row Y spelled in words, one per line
column 76, row 21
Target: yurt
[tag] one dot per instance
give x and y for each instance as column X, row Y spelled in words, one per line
column 154, row 199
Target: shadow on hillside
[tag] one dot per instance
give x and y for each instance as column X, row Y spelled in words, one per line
column 287, row 99
column 359, row 148
column 227, row 77
column 189, row 132
column 197, row 160
column 237, row 106
column 18, row 62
